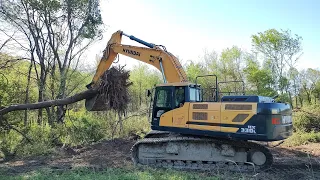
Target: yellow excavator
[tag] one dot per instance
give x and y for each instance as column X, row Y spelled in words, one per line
column 191, row 133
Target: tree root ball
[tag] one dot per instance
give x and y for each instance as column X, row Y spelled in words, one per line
column 113, row 91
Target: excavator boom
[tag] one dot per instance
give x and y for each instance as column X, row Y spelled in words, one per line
column 154, row 55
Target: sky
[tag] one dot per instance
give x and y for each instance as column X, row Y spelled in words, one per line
column 188, row 27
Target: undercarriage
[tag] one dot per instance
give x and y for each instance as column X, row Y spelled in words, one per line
column 171, row 150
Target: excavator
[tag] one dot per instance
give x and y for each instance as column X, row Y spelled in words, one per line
column 188, row 132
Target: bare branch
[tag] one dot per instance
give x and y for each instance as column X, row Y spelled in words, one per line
column 8, row 64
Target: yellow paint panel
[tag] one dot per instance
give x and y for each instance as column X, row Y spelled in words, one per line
column 176, row 118
column 216, row 106
column 228, row 115
column 213, row 112
column 107, row 59
column 171, row 65
column 166, row 119
column 253, row 110
column 212, row 115
column 180, row 116
column 202, row 127
column 229, row 129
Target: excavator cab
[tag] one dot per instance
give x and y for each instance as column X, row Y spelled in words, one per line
column 171, row 96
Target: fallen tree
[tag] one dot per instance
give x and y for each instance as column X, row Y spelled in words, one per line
column 58, row 102
column 111, row 93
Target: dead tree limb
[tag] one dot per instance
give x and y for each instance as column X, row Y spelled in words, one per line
column 59, row 102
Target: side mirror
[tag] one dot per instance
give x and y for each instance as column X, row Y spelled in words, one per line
column 148, row 92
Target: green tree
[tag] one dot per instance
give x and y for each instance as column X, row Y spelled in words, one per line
column 55, row 34
column 143, row 79
column 282, row 49
column 313, row 77
column 295, row 78
column 259, row 78
column 231, row 64
column 193, row 70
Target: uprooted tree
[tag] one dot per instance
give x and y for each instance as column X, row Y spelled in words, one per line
column 111, row 93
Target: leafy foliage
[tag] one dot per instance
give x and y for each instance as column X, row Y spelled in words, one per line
column 260, row 78
column 307, row 119
column 300, row 138
column 142, row 79
column 281, row 50
column 55, row 35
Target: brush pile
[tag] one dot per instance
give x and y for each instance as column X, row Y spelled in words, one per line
column 113, row 91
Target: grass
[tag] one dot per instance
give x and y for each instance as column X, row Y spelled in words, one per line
column 112, row 174
column 300, row 138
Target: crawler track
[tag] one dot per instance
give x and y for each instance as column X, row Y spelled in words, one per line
column 153, row 151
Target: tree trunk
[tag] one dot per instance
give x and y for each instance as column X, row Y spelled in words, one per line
column 290, row 98
column 140, row 96
column 49, row 114
column 301, row 100
column 25, row 122
column 52, row 88
column 295, row 92
column 308, row 97
column 60, row 109
column 59, row 102
column 41, row 93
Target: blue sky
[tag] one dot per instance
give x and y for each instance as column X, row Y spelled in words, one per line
column 187, row 27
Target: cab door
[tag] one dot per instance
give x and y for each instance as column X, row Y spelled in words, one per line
column 163, row 104
column 181, row 107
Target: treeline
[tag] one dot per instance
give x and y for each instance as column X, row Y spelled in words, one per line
column 270, row 69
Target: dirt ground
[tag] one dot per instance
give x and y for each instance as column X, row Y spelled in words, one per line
column 301, row 162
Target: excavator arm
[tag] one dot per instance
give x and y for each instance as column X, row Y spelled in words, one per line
column 154, row 55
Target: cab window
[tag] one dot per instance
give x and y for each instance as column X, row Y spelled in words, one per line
column 164, row 98
column 195, row 95
column 179, row 96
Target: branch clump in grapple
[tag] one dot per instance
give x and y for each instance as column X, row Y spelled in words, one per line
column 113, row 91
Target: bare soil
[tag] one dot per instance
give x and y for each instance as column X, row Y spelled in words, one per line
column 300, row 162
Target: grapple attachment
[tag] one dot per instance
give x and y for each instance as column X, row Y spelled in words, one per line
column 113, row 91
column 96, row 104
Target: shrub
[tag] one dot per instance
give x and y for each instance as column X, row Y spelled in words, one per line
column 41, row 136
column 82, row 128
column 137, row 125
column 307, row 119
column 9, row 142
column 299, row 138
